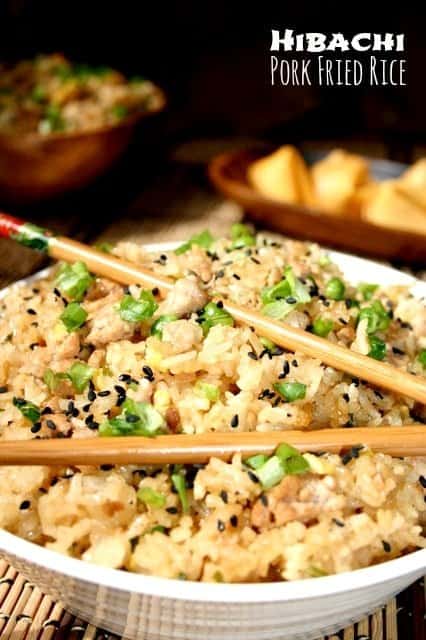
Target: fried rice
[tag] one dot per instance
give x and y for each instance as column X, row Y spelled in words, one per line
column 83, row 357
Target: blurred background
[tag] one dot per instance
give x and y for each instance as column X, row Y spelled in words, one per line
column 212, row 60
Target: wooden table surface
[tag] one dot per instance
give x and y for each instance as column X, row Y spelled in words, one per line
column 153, row 197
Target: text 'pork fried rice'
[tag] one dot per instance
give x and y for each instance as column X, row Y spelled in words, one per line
column 83, row 357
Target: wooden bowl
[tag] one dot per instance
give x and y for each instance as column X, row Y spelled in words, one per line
column 228, row 172
column 34, row 166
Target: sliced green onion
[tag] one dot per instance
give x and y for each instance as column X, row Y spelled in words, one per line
column 270, row 473
column 105, row 247
column 377, row 348
column 28, row 409
column 322, row 327
column 283, row 297
column 38, row 94
column 32, row 236
column 286, row 451
column 213, row 315
column 148, row 496
column 335, row 289
column 136, row 419
column 179, row 484
column 268, row 344
column 299, row 290
column 317, row 572
column 295, row 465
column 120, row 111
column 158, row 528
column 52, row 379
column 367, row 290
column 324, row 260
column 278, row 291
column 73, row 316
column 422, row 358
column 210, row 391
column 52, row 120
column 203, row 239
column 73, row 280
column 80, row 373
column 257, row 461
column 133, row 310
column 377, row 316
column 279, row 309
column 291, row 391
column 242, row 236
column 158, row 326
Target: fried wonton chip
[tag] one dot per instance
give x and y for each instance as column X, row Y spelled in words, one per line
column 337, row 178
column 392, row 207
column 284, row 176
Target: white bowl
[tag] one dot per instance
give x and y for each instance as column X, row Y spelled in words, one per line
column 139, row 606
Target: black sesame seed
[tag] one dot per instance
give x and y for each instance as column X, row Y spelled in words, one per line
column 343, row 321
column 3, row 389
column 422, row 481
column 234, row 521
column 326, row 303
column 252, row 355
column 120, row 390
column 36, row 290
column 277, row 351
column 253, row 477
column 220, row 304
column 106, row 467
column 219, row 274
column 236, row 276
column 33, row 345
column 89, row 418
column 294, row 363
column 124, row 377
column 398, row 352
column 57, row 292
column 346, row 397
column 220, row 526
column 46, row 411
column 148, row 372
column 120, row 400
column 26, row 504
column 234, row 422
column 93, row 425
column 338, row 522
column 51, row 425
column 172, row 510
column 255, row 260
column 32, row 312
column 36, row 427
column 224, row 496
column 386, row 546
column 264, row 499
column 103, row 394
column 378, row 394
column 155, row 291
column 86, row 407
column 91, row 395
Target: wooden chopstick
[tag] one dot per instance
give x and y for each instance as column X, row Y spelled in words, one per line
column 379, row 373
column 174, row 449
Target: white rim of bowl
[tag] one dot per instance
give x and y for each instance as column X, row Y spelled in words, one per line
column 235, row 593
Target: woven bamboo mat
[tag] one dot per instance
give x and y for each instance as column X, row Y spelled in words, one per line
column 157, row 214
